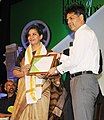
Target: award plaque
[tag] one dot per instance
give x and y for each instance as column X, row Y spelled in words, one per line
column 41, row 64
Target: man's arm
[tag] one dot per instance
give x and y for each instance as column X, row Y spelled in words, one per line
column 2, row 115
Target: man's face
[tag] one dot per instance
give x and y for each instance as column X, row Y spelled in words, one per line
column 74, row 21
column 10, row 87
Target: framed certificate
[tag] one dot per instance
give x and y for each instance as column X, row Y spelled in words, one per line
column 41, row 64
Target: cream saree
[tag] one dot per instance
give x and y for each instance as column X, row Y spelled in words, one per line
column 34, row 104
column 24, row 111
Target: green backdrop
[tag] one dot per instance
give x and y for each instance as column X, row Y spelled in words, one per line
column 48, row 11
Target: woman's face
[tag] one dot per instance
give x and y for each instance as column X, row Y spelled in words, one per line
column 34, row 37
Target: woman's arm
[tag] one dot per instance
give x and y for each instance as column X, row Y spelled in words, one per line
column 22, row 72
column 18, row 73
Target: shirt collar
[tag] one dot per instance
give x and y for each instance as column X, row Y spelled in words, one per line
column 84, row 25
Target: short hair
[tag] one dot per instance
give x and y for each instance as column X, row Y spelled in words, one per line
column 9, row 81
column 77, row 9
column 36, row 27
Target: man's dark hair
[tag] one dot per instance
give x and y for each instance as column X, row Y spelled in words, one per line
column 77, row 9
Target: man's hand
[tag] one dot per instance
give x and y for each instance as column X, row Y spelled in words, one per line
column 2, row 115
column 58, row 55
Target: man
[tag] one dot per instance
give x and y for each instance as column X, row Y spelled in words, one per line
column 83, row 64
column 6, row 103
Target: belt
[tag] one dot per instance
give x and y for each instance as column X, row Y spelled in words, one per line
column 80, row 73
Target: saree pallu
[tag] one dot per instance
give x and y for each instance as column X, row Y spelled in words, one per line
column 57, row 98
column 37, row 111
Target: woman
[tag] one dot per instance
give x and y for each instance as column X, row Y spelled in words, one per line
column 33, row 96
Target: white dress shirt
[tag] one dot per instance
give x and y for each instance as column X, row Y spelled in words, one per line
column 84, row 54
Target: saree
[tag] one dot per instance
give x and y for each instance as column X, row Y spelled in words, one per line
column 34, row 104
column 37, row 111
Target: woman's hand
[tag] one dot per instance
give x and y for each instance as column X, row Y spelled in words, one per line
column 25, row 68
column 41, row 76
column 53, row 71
